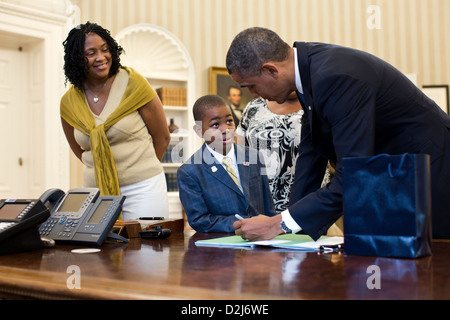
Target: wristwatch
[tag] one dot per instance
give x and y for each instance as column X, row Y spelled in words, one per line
column 285, row 228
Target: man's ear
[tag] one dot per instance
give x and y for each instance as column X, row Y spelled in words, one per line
column 270, row 69
column 198, row 130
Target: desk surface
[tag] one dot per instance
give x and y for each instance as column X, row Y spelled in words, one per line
column 174, row 268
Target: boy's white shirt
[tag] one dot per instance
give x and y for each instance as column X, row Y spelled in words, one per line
column 219, row 157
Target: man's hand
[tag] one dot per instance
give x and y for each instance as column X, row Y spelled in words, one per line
column 260, row 227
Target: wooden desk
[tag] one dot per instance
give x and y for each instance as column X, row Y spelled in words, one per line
column 174, row 268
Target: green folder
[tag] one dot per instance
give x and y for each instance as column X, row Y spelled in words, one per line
column 286, row 241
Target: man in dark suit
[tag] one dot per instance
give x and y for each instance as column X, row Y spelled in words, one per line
column 355, row 105
column 208, row 193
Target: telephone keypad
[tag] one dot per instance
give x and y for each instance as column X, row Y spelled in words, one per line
column 47, row 227
column 68, row 228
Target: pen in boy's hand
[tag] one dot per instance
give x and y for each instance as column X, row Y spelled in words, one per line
column 238, row 216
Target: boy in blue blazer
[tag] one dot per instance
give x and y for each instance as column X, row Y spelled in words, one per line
column 212, row 193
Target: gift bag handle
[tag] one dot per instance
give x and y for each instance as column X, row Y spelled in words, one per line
column 392, row 175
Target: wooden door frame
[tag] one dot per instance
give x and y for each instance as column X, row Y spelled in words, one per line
column 51, row 29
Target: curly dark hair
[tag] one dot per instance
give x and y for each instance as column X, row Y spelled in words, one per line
column 75, row 62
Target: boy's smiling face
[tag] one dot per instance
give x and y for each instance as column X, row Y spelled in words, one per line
column 217, row 128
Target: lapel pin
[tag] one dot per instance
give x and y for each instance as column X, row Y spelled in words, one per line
column 213, row 168
column 246, row 164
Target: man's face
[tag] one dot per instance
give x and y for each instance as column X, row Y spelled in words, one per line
column 267, row 85
column 235, row 96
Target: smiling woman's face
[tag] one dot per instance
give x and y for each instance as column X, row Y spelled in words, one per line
column 98, row 56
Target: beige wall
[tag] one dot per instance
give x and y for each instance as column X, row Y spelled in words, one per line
column 414, row 34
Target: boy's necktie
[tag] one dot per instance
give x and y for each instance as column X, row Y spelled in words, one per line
column 227, row 162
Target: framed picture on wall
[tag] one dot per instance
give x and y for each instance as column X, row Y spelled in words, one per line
column 440, row 95
column 222, row 84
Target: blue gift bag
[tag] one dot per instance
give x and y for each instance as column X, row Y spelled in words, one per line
column 387, row 205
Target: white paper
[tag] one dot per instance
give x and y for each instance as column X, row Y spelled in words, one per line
column 332, row 241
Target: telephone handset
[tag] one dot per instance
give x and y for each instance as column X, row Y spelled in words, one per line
column 81, row 216
column 51, row 197
column 19, row 221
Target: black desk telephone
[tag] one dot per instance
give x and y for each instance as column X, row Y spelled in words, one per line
column 80, row 216
column 19, row 219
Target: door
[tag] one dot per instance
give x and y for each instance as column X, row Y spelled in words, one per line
column 14, row 128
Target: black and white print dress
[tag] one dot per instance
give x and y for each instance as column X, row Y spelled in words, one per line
column 277, row 137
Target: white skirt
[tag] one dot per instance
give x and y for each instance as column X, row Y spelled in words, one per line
column 147, row 198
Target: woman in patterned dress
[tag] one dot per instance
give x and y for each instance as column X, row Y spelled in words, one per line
column 275, row 130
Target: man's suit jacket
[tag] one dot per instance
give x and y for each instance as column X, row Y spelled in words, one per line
column 358, row 105
column 211, row 198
